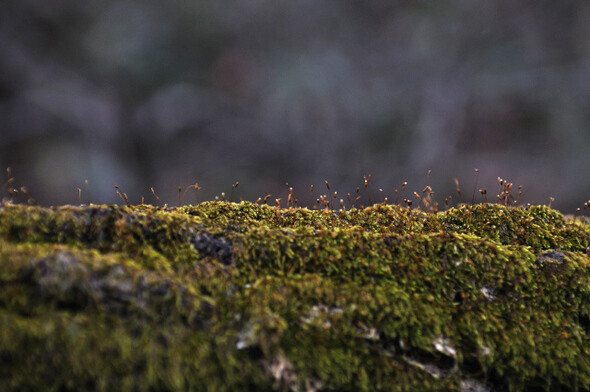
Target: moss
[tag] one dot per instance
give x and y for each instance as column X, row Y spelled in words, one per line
column 227, row 296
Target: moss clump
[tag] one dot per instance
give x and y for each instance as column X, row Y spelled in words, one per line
column 225, row 297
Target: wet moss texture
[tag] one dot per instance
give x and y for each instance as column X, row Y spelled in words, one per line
column 246, row 297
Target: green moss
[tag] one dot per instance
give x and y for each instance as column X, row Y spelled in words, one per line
column 226, row 296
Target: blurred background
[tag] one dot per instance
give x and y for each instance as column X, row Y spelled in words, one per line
column 278, row 94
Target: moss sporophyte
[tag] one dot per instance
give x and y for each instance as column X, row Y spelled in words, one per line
column 226, row 296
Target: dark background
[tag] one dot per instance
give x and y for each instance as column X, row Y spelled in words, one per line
column 267, row 92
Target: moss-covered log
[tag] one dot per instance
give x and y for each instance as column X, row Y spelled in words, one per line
column 236, row 297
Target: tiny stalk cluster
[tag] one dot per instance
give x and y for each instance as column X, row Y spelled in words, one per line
column 12, row 193
column 330, row 201
column 425, row 200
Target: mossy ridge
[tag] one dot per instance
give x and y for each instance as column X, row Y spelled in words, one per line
column 309, row 294
column 106, row 324
column 537, row 226
column 498, row 293
column 63, row 277
column 61, row 351
column 378, row 218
